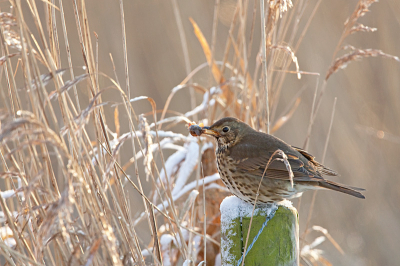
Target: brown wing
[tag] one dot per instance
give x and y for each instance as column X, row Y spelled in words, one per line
column 277, row 168
column 257, row 159
column 321, row 168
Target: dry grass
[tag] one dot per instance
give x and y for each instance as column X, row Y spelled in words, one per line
column 70, row 196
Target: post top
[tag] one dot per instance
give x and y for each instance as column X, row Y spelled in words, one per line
column 232, row 207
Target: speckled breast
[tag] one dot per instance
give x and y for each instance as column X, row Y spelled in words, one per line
column 227, row 170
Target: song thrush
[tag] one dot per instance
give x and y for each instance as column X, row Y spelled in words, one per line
column 243, row 154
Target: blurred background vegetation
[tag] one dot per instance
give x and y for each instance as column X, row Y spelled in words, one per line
column 365, row 140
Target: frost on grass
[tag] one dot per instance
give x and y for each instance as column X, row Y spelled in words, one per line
column 206, row 146
column 183, row 191
column 187, row 263
column 169, row 138
column 11, row 193
column 7, row 194
column 7, row 235
column 172, row 163
column 206, row 102
column 197, row 246
column 191, row 159
column 168, row 244
column 218, row 260
column 166, row 241
column 310, row 252
column 232, row 208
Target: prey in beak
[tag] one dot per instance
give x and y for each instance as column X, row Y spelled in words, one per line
column 197, row 130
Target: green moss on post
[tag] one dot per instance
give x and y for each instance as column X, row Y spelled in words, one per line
column 278, row 243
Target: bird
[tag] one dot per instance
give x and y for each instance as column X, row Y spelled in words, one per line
column 243, row 154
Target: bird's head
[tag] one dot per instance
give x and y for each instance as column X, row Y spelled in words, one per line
column 227, row 130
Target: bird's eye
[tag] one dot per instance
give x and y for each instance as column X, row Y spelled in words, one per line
column 225, row 129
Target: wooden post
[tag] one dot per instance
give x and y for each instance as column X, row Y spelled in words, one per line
column 278, row 243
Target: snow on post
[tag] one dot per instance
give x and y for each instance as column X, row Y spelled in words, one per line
column 277, row 243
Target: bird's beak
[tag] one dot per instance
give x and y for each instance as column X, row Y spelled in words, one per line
column 208, row 131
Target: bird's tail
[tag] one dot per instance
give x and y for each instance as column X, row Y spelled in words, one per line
column 354, row 191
